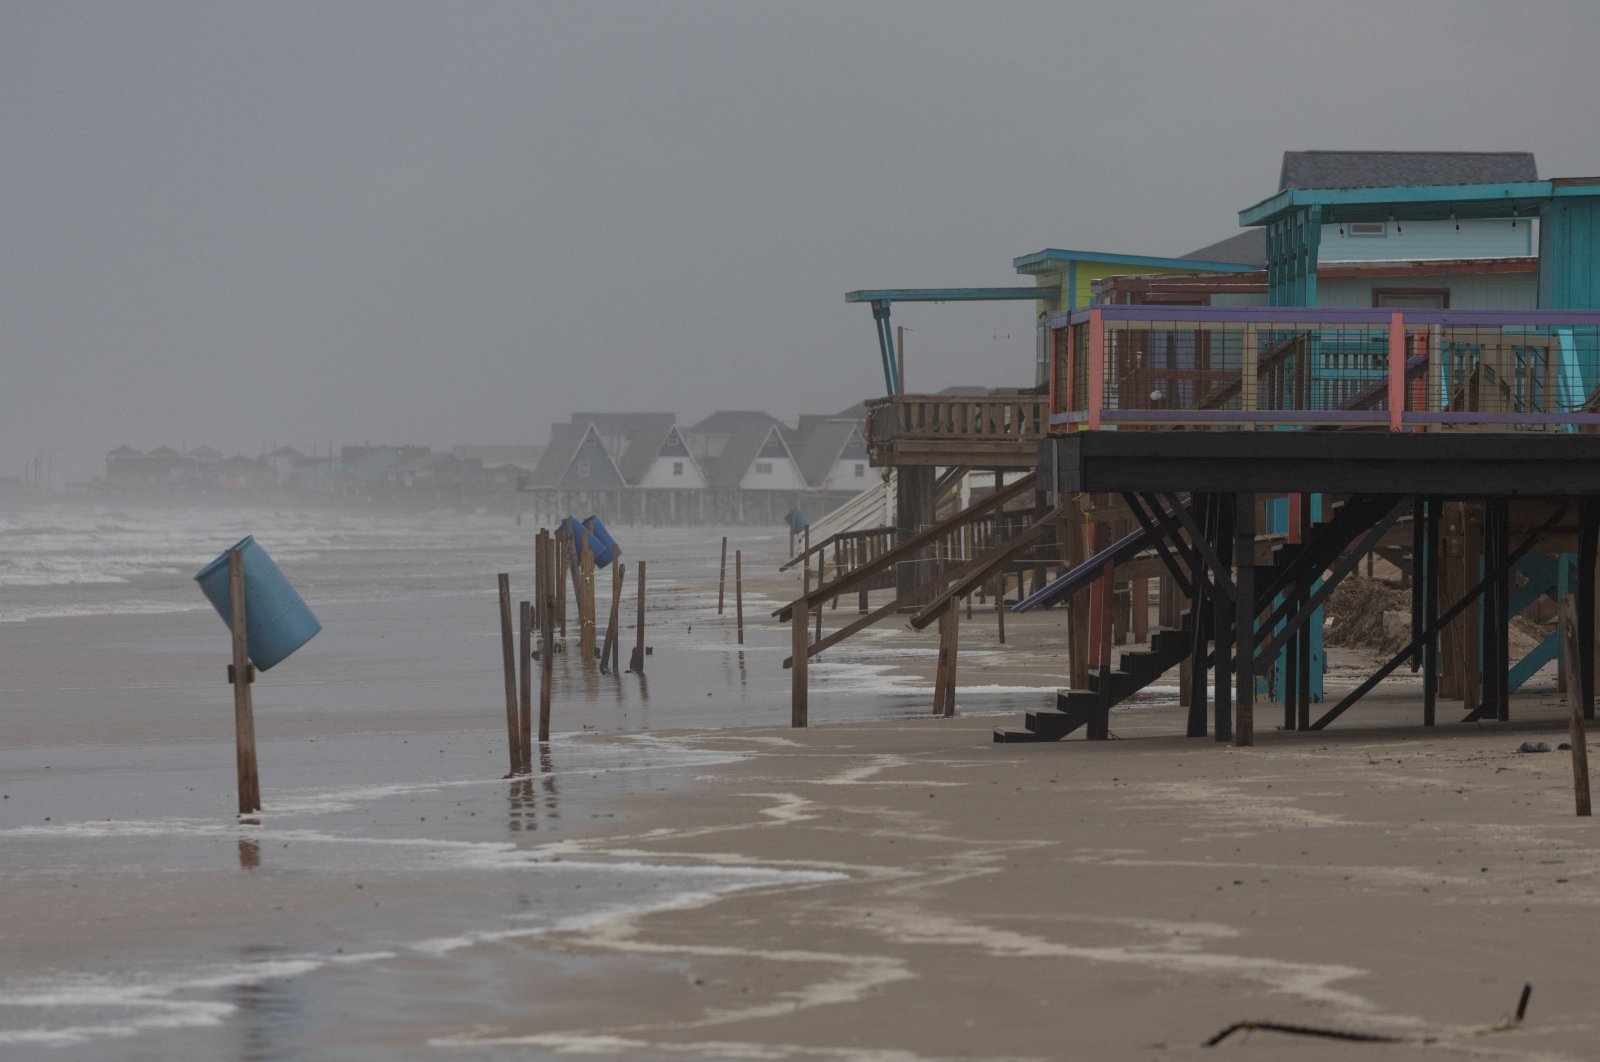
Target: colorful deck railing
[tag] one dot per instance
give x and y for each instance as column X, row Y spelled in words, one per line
column 1216, row 367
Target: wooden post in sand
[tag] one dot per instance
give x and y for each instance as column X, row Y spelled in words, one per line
column 799, row 681
column 508, row 655
column 1580, row 751
column 241, row 673
column 562, row 543
column 820, row 561
column 944, row 676
column 1000, row 606
column 525, row 686
column 548, row 592
column 722, row 574
column 586, row 605
column 636, row 662
column 608, row 649
column 738, row 590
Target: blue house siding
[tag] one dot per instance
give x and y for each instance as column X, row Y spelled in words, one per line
column 591, row 468
column 1569, row 241
column 1478, row 238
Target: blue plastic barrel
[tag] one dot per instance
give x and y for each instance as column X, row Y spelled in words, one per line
column 592, row 531
column 277, row 620
column 601, row 544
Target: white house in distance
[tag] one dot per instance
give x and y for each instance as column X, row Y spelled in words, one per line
column 657, row 458
column 835, row 456
column 757, row 457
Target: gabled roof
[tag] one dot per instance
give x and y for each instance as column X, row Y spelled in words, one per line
column 289, row 452
column 730, row 421
column 823, row 448
column 743, row 447
column 624, row 424
column 644, row 446
column 124, row 451
column 164, row 451
column 564, row 442
column 1375, row 169
column 1247, row 248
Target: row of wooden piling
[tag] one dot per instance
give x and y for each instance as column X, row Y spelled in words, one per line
column 546, row 615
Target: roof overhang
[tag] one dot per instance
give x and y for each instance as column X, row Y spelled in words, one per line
column 950, row 294
column 1419, row 202
column 1053, row 259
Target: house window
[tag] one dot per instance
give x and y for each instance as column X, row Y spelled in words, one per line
column 1368, row 228
column 583, row 469
column 677, row 468
column 861, row 470
column 763, row 468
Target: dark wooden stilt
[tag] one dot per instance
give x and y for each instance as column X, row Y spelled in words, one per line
column 1429, row 573
column 1418, row 545
column 1502, row 618
column 1588, row 536
column 1199, row 622
column 1221, row 549
column 1244, row 612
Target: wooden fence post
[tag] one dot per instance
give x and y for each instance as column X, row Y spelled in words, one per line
column 241, row 674
column 738, row 590
column 525, row 686
column 508, row 655
column 586, row 605
column 799, row 678
column 636, row 663
column 722, row 574
column 608, row 651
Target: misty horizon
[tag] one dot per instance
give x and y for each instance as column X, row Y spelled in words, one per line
column 252, row 226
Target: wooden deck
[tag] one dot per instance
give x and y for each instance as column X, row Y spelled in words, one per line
column 978, row 431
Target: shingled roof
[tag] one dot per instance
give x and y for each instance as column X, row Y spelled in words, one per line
column 1247, row 248
column 1381, row 169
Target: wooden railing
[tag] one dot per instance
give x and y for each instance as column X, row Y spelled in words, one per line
column 1400, row 370
column 947, row 418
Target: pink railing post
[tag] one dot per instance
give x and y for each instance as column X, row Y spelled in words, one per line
column 1071, row 383
column 1097, row 366
column 1397, row 369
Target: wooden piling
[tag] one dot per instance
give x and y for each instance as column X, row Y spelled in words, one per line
column 798, row 678
column 820, row 562
column 1000, row 607
column 563, row 546
column 525, row 686
column 636, row 662
column 738, row 591
column 586, row 610
column 608, row 651
column 1580, row 750
column 547, row 635
column 241, row 674
column 944, row 692
column 508, row 657
column 722, row 574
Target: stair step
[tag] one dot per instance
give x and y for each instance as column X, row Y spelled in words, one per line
column 1052, row 725
column 1010, row 736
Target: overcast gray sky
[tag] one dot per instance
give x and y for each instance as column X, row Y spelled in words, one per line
column 247, row 224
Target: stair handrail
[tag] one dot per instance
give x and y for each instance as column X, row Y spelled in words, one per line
column 911, row 545
column 1074, row 579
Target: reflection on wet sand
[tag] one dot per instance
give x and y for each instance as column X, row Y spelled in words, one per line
column 249, row 853
column 529, row 801
column 268, row 1011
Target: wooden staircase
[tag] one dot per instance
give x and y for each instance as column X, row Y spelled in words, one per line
column 1135, row 670
column 1345, row 521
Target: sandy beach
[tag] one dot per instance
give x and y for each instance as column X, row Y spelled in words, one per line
column 686, row 876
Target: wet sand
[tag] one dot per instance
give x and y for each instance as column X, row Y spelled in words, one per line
column 685, row 876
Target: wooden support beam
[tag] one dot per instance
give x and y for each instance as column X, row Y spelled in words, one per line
column 242, row 673
column 1430, row 611
column 1244, row 538
column 1219, row 554
column 1455, row 610
column 1588, row 536
column 799, row 680
column 508, row 660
